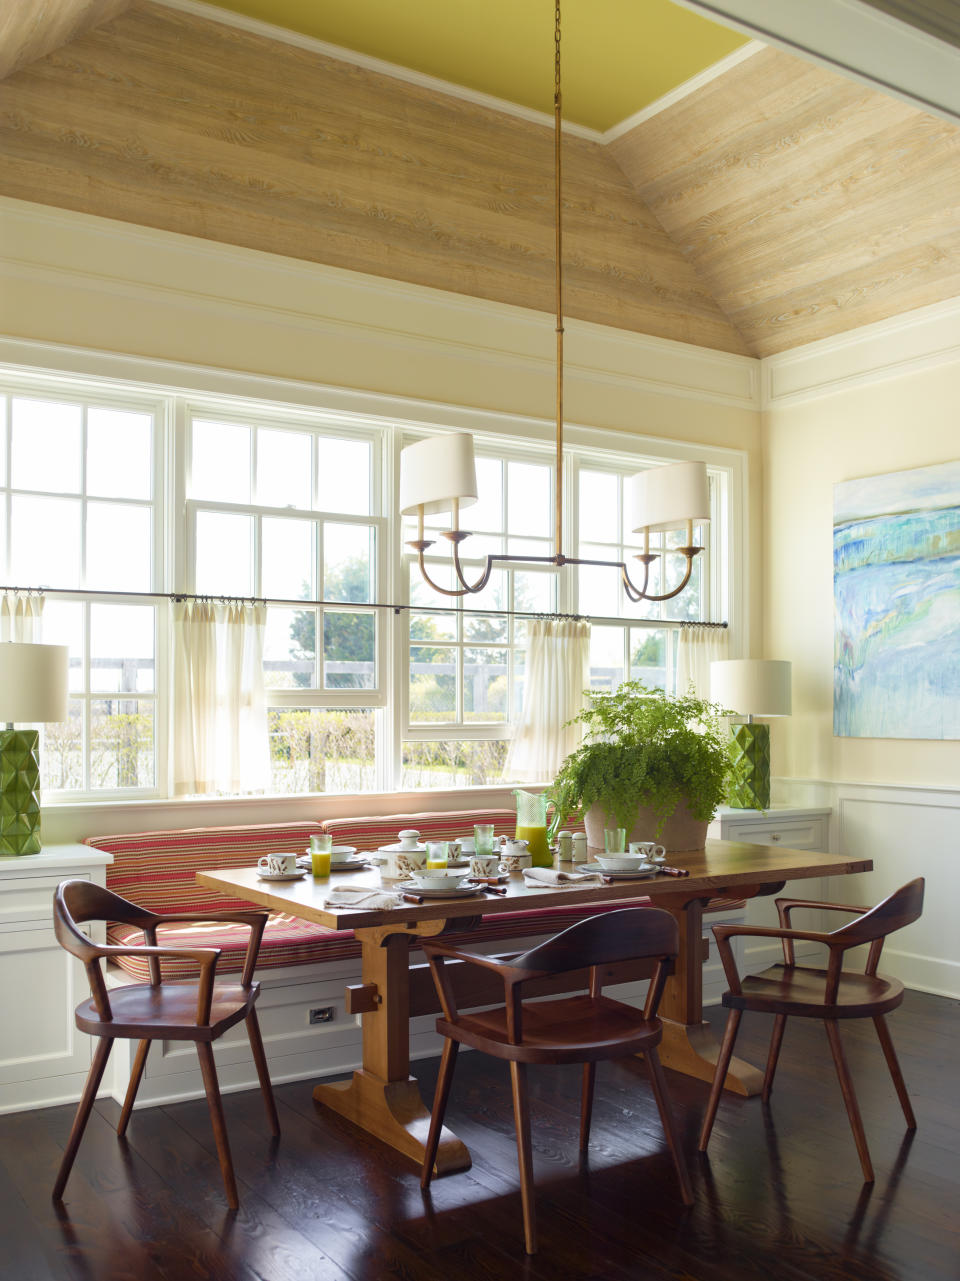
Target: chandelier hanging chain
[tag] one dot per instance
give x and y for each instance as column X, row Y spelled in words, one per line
column 558, row 224
column 456, row 535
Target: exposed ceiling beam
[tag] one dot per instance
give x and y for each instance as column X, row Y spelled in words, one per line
column 29, row 29
column 854, row 37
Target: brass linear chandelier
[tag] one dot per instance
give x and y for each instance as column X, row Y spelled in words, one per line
column 439, row 473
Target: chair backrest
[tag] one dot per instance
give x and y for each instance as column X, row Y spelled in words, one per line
column 75, row 902
column 901, row 908
column 630, row 934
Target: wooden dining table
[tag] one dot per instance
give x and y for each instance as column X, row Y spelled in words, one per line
column 384, row 1099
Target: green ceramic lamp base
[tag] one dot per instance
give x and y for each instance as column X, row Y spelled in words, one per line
column 19, row 792
column 749, row 787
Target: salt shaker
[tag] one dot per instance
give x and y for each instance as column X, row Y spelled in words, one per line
column 564, row 846
column 579, row 847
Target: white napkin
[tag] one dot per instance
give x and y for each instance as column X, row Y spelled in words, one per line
column 537, row 876
column 361, row 896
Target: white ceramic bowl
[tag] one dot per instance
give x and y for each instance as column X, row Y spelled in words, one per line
column 621, row 862
column 437, row 878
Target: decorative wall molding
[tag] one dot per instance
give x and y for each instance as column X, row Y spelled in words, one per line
column 908, row 830
column 82, row 257
column 917, row 340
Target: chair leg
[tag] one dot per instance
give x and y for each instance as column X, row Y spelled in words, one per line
column 448, row 1061
column 521, row 1117
column 660, row 1093
column 212, row 1087
column 94, row 1077
column 890, row 1054
column 586, row 1103
column 719, row 1076
column 139, row 1063
column 260, row 1059
column 776, row 1040
column 849, row 1098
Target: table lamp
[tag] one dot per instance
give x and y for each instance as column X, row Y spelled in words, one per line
column 33, row 687
column 751, row 687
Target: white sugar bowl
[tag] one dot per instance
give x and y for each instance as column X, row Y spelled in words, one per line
column 405, row 858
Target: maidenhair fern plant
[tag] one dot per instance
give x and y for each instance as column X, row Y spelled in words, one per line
column 645, row 748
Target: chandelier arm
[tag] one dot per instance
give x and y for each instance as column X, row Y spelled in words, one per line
column 443, row 591
column 690, row 553
column 481, row 582
column 635, row 593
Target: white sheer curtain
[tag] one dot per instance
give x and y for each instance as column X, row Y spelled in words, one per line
column 558, row 672
column 697, row 647
column 20, row 616
column 219, row 709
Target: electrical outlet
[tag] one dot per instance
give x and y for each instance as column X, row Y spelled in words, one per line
column 322, row 1014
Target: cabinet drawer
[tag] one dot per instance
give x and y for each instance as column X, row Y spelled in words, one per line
column 29, row 898
column 796, row 834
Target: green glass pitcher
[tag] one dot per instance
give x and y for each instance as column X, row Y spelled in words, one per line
column 532, row 825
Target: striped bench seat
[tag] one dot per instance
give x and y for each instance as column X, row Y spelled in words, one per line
column 157, row 870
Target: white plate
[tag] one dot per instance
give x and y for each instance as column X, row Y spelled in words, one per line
column 458, row 891
column 649, row 869
column 281, row 876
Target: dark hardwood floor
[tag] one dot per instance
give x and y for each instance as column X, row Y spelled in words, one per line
column 780, row 1197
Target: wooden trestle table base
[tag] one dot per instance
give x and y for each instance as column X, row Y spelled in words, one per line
column 384, row 1099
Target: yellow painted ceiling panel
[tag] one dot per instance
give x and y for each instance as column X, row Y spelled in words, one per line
column 618, row 55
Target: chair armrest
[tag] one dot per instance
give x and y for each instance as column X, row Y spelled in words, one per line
column 432, row 948
column 255, row 920
column 205, row 957
column 786, row 905
column 723, row 933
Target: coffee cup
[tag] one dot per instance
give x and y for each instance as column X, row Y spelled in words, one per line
column 454, row 849
column 484, row 865
column 277, row 864
column 648, row 850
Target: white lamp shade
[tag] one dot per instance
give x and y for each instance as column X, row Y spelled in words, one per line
column 667, row 497
column 435, row 471
column 33, row 682
column 752, row 686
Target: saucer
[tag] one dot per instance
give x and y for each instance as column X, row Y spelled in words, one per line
column 648, row 869
column 458, row 891
column 281, row 876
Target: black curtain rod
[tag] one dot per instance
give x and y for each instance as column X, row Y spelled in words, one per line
column 342, row 604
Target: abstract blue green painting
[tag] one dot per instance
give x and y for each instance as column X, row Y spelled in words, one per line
column 896, row 577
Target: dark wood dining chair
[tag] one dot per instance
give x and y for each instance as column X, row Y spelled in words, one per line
column 146, row 1012
column 830, row 994
column 575, row 1029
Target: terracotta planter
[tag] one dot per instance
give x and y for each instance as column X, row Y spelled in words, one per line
column 680, row 832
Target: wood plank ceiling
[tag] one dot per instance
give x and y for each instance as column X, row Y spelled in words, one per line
column 31, row 28
column 776, row 205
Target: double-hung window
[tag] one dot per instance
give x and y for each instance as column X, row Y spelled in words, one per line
column 463, row 666
column 290, row 511
column 80, row 514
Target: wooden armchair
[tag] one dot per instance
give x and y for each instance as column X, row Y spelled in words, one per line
column 146, row 1012
column 830, row 994
column 575, row 1029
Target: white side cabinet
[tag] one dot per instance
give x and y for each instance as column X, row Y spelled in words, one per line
column 796, row 829
column 43, row 1058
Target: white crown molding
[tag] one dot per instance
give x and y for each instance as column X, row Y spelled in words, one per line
column 684, row 90
column 854, row 39
column 917, row 340
column 378, row 65
column 143, row 267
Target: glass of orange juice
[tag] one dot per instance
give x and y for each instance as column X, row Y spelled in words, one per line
column 320, row 863
column 437, row 853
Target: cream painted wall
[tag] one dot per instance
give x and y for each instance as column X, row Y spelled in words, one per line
column 882, row 425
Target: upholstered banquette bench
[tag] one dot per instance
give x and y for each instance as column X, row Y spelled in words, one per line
column 158, row 871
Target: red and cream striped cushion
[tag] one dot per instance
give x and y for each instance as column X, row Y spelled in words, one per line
column 158, row 870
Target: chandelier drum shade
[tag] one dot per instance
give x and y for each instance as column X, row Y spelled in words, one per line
column 438, row 474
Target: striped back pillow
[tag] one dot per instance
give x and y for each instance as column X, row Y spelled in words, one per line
column 157, row 870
